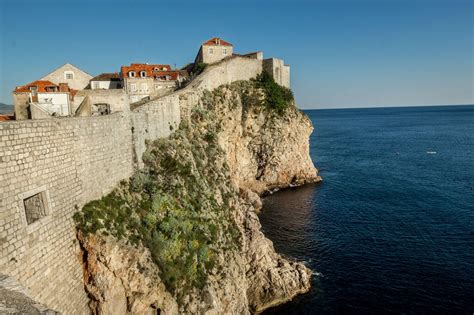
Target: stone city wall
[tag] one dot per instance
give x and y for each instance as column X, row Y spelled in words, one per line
column 50, row 168
column 60, row 164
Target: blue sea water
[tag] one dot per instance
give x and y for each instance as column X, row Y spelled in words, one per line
column 391, row 228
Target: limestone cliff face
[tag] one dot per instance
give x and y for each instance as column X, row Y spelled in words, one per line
column 265, row 149
column 234, row 149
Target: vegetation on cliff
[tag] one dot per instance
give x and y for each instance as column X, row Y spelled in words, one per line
column 277, row 97
column 178, row 205
column 181, row 204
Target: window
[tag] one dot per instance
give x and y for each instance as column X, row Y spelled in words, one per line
column 96, row 85
column 224, row 51
column 34, row 207
column 144, row 87
column 131, row 74
column 133, row 87
column 68, row 75
column 211, row 51
column 143, row 74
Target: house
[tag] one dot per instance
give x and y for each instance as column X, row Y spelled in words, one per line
column 75, row 78
column 42, row 99
column 106, row 81
column 142, row 80
column 214, row 50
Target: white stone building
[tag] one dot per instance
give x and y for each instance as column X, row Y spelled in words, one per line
column 142, row 80
column 106, row 81
column 75, row 78
column 42, row 99
column 214, row 50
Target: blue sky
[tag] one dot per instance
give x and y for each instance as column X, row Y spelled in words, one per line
column 342, row 53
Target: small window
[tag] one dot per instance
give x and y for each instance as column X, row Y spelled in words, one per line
column 144, row 87
column 224, row 51
column 143, row 74
column 96, row 85
column 133, row 87
column 131, row 74
column 211, row 51
column 68, row 75
column 34, row 208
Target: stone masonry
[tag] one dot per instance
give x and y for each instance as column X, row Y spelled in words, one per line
column 70, row 161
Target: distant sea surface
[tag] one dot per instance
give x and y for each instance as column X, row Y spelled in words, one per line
column 391, row 228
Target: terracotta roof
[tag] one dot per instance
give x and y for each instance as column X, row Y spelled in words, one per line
column 216, row 41
column 43, row 84
column 153, row 71
column 106, row 77
column 40, row 84
column 6, row 117
column 137, row 67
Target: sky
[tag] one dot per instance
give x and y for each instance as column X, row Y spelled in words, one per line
column 342, row 53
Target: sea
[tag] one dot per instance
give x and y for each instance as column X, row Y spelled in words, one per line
column 390, row 230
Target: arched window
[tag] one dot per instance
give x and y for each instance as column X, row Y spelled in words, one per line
column 143, row 74
column 131, row 74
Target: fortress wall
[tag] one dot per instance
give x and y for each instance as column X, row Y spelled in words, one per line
column 50, row 168
column 224, row 72
column 68, row 162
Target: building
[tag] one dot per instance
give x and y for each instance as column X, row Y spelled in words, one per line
column 75, row 78
column 42, row 99
column 106, row 81
column 142, row 80
column 214, row 50
column 278, row 70
column 95, row 102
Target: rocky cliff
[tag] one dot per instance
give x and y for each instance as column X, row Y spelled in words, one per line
column 182, row 235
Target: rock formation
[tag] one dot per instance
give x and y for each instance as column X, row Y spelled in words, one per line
column 182, row 235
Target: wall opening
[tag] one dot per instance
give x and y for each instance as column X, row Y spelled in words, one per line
column 100, row 109
column 34, row 208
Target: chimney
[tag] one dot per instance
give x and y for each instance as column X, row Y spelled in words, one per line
column 63, row 87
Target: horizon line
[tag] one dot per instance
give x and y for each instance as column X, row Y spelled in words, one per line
column 389, row 106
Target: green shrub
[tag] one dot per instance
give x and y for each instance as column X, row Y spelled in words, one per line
column 171, row 208
column 277, row 97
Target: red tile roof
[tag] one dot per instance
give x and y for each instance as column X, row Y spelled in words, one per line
column 153, row 71
column 137, row 67
column 216, row 41
column 40, row 84
column 6, row 117
column 43, row 84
